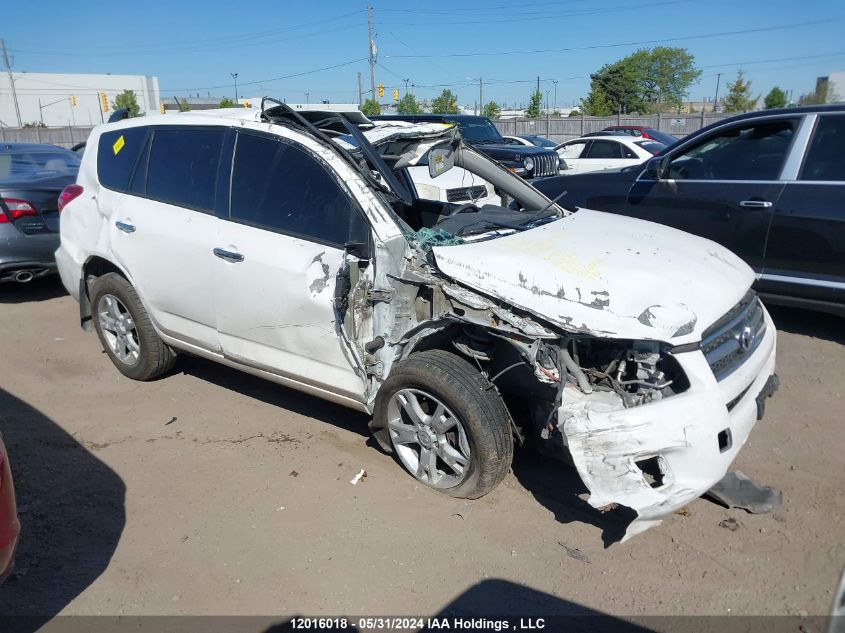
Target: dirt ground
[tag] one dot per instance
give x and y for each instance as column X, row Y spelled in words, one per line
column 213, row 492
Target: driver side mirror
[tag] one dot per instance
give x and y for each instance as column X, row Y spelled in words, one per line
column 655, row 168
column 441, row 158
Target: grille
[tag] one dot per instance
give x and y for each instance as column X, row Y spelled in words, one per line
column 466, row 193
column 546, row 164
column 733, row 338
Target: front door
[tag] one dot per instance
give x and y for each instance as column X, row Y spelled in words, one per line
column 277, row 257
column 725, row 188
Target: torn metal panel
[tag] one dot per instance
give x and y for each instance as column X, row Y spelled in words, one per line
column 616, row 449
column 600, row 274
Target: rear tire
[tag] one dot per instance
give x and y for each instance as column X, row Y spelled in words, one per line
column 125, row 329
column 446, row 424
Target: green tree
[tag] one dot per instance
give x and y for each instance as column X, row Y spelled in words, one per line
column 127, row 99
column 574, row 113
column 739, row 97
column 408, row 105
column 184, row 106
column 226, row 102
column 775, row 99
column 371, row 107
column 666, row 73
column 491, row 110
column 597, row 103
column 34, row 124
column 446, row 103
column 648, row 80
column 533, row 110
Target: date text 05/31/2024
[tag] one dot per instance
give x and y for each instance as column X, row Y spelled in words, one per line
column 410, row 623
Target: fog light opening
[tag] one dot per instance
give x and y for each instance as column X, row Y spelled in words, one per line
column 652, row 471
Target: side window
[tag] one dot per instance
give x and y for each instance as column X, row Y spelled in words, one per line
column 279, row 186
column 182, row 167
column 604, row 149
column 117, row 153
column 572, row 150
column 754, row 151
column 824, row 157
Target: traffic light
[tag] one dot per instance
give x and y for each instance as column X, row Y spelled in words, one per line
column 246, row 104
column 381, row 90
column 73, row 100
column 396, row 94
column 104, row 101
column 161, row 106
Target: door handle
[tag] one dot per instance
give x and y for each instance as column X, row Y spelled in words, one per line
column 229, row 256
column 756, row 204
column 125, row 227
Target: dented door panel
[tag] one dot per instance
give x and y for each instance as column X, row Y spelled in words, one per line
column 275, row 309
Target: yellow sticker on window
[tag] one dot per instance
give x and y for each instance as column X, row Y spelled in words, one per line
column 118, row 144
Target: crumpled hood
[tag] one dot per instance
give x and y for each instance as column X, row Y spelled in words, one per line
column 606, row 275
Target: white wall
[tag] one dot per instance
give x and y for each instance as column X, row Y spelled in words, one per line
column 837, row 80
column 55, row 87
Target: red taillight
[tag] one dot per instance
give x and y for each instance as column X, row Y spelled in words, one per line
column 70, row 192
column 16, row 209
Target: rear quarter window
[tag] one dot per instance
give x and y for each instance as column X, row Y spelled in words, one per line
column 117, row 153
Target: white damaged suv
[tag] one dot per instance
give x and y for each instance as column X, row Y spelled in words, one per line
column 292, row 244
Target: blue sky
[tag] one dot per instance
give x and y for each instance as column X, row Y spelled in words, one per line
column 194, row 46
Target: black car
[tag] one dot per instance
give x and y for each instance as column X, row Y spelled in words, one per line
column 479, row 131
column 768, row 185
column 32, row 178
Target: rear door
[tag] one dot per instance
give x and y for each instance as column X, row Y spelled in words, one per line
column 806, row 249
column 163, row 226
column 277, row 259
column 725, row 187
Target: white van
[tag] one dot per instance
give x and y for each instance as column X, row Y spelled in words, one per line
column 293, row 245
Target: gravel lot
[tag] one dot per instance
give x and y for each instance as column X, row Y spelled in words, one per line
column 213, row 492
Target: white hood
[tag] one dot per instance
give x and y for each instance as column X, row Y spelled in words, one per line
column 608, row 275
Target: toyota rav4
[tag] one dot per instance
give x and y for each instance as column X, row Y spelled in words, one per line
column 292, row 244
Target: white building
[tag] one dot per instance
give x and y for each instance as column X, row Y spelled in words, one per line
column 47, row 97
column 837, row 83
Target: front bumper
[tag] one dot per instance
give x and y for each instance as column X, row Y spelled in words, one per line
column 694, row 436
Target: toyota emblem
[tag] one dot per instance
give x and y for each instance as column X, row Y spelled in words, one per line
column 746, row 339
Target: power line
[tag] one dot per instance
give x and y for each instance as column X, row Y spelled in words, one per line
column 634, row 43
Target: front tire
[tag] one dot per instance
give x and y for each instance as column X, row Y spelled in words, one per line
column 446, row 424
column 125, row 329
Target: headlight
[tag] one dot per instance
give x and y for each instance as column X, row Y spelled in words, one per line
column 529, row 163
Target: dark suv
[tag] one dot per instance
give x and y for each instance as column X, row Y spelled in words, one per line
column 479, row 131
column 768, row 185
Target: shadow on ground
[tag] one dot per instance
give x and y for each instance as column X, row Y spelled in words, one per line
column 43, row 289
column 71, row 507
column 276, row 395
column 808, row 323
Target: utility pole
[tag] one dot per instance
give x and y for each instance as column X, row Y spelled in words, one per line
column 235, row 77
column 11, row 82
column 554, row 106
column 538, row 83
column 716, row 99
column 370, row 50
column 360, row 91
column 480, row 95
column 406, row 84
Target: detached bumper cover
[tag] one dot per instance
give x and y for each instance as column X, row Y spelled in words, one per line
column 694, row 436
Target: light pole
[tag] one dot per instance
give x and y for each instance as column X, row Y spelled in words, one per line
column 235, row 77
column 554, row 107
column 406, row 85
column 307, row 97
column 716, row 98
